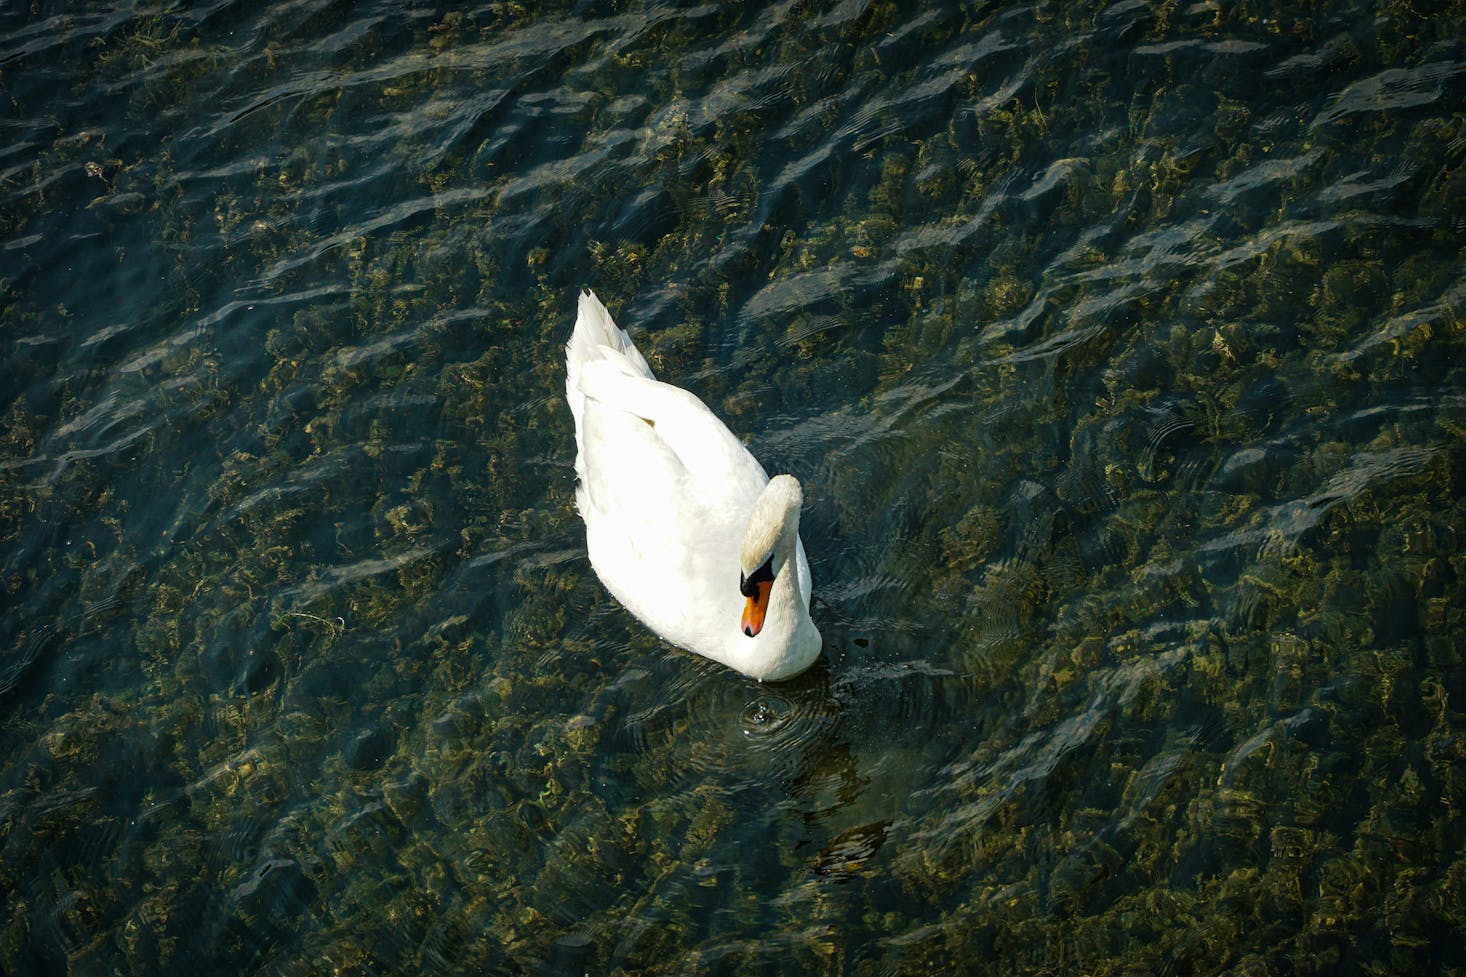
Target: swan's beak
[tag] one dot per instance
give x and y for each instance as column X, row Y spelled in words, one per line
column 756, row 606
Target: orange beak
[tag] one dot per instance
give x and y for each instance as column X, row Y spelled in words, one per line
column 756, row 607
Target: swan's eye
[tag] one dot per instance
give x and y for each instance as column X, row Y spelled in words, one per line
column 763, row 574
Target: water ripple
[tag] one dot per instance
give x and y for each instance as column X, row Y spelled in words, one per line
column 1394, row 89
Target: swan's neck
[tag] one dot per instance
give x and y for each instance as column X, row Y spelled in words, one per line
column 784, row 598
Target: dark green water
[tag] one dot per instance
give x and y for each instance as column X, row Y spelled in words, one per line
column 1119, row 348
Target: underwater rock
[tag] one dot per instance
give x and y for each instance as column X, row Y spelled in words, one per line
column 368, row 749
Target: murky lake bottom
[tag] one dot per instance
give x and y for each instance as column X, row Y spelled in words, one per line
column 1118, row 348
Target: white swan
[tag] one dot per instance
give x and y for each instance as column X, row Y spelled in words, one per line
column 681, row 523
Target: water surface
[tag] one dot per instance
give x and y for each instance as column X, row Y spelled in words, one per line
column 1118, row 347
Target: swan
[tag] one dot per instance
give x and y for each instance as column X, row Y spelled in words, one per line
column 682, row 525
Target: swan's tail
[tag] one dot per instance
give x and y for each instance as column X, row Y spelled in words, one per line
column 595, row 340
column 595, row 333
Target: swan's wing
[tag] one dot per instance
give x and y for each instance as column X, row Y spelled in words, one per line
column 630, row 479
column 667, row 428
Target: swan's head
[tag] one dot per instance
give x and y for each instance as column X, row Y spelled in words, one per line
column 768, row 546
column 777, row 640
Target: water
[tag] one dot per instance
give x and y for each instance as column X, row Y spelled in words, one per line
column 1119, row 348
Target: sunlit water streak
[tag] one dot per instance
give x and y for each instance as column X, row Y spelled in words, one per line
column 1119, row 348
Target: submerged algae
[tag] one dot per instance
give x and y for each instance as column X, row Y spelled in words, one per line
column 1131, row 415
